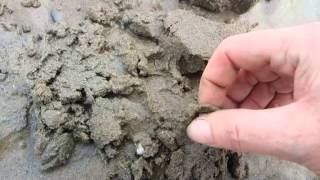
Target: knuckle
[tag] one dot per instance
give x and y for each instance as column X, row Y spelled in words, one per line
column 234, row 137
column 250, row 79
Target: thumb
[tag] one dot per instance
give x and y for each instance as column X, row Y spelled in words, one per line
column 268, row 131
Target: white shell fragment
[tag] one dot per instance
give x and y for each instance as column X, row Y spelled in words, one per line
column 140, row 150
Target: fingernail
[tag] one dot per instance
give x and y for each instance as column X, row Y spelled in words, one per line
column 200, row 131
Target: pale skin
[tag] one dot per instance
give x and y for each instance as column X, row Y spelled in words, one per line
column 268, row 82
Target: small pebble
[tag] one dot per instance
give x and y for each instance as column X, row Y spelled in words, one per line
column 56, row 16
column 31, row 3
column 26, row 28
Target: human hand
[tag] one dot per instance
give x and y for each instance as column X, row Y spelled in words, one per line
column 270, row 83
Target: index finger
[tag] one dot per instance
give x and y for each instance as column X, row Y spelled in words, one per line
column 251, row 51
